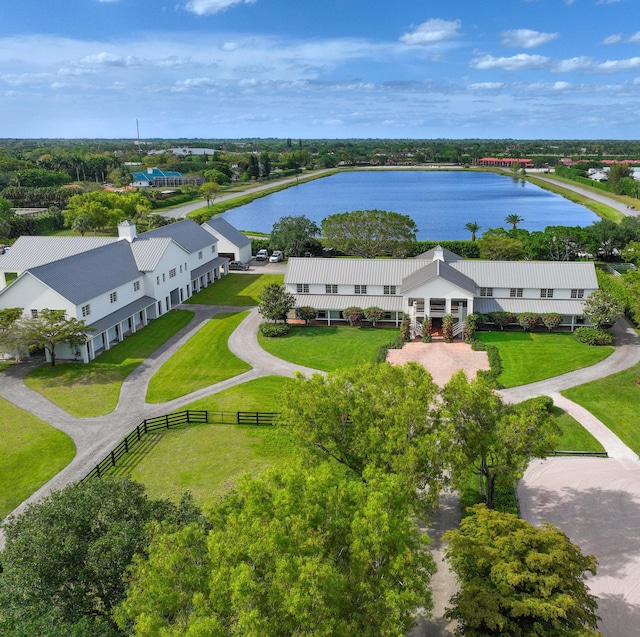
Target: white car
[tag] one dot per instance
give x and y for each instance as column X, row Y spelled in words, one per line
column 262, row 255
column 276, row 257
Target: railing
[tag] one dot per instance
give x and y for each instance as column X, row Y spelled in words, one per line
column 169, row 421
column 458, row 328
column 615, row 270
column 597, row 454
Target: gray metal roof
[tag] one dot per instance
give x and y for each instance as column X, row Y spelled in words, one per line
column 388, row 302
column 566, row 307
column 230, row 233
column 148, row 251
column 206, row 267
column 438, row 269
column 186, row 233
column 448, row 255
column 31, row 252
column 121, row 314
column 84, row 276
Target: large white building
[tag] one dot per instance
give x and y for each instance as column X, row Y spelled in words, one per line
column 439, row 282
column 116, row 285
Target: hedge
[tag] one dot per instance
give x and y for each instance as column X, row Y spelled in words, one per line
column 274, row 330
column 592, row 336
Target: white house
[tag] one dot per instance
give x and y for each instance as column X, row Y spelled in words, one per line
column 440, row 282
column 115, row 285
column 231, row 242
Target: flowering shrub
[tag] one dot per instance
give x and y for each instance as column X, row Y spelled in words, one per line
column 528, row 320
column 471, row 324
column 405, row 330
column 502, row 319
column 306, row 313
column 373, row 314
column 551, row 320
column 353, row 315
column 447, row 328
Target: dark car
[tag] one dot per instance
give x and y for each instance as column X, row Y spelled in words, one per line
column 238, row 265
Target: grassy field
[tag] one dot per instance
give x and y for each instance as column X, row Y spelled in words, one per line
column 529, row 357
column 614, row 400
column 209, row 459
column 238, row 290
column 328, row 348
column 93, row 389
column 574, row 436
column 202, row 361
column 31, row 452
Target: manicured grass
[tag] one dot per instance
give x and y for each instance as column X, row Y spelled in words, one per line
column 574, row 436
column 328, row 348
column 240, row 290
column 31, row 452
column 528, row 357
column 614, row 400
column 209, row 459
column 204, row 360
column 93, row 389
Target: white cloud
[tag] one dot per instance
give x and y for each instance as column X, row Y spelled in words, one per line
column 614, row 66
column 110, row 59
column 432, row 31
column 210, row 7
column 485, row 86
column 635, row 37
column 520, row 62
column 526, row 38
column 571, row 65
column 612, row 39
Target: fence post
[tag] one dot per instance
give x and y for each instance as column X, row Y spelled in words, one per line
column 113, row 459
column 206, row 416
column 237, row 417
column 166, row 420
column 98, row 471
column 126, row 444
column 144, row 422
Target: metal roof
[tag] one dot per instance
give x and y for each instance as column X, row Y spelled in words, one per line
column 435, row 270
column 388, row 302
column 227, row 231
column 84, row 276
column 206, row 267
column 447, row 254
column 121, row 314
column 566, row 307
column 186, row 233
column 148, row 252
column 31, row 252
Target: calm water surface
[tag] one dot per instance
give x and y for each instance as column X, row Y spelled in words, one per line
column 440, row 203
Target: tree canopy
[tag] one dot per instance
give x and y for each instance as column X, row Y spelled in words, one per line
column 602, row 309
column 517, row 580
column 369, row 233
column 292, row 234
column 275, row 302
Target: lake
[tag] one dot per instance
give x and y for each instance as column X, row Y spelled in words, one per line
column 440, row 203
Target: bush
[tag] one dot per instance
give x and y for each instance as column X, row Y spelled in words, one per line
column 405, row 330
column 381, row 352
column 273, row 330
column 306, row 313
column 373, row 314
column 353, row 315
column 551, row 320
column 591, row 336
column 502, row 319
column 427, row 337
column 495, row 362
column 447, row 328
column 528, row 320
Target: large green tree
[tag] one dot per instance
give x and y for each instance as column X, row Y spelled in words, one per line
column 369, row 233
column 602, row 309
column 292, row 233
column 501, row 248
column 496, row 441
column 275, row 302
column 65, row 556
column 517, row 580
column 297, row 551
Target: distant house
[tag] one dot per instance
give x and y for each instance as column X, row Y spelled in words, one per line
column 505, row 162
column 157, row 178
column 231, row 243
column 439, row 282
column 116, row 285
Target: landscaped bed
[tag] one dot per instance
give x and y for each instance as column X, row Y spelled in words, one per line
column 328, row 348
column 92, row 389
column 32, row 452
column 238, row 290
column 528, row 357
column 204, row 360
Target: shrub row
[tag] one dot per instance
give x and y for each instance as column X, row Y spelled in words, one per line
column 381, row 352
column 490, row 375
column 273, row 330
column 592, row 336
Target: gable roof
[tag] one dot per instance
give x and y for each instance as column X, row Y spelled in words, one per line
column 186, row 233
column 227, row 231
column 430, row 254
column 84, row 276
column 148, row 252
column 438, row 270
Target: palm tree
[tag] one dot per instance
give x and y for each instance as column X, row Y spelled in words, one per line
column 514, row 220
column 472, row 227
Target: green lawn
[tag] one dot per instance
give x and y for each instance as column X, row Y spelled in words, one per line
column 529, row 357
column 239, row 290
column 614, row 400
column 209, row 459
column 574, row 436
column 93, row 389
column 31, row 452
column 202, row 361
column 328, row 348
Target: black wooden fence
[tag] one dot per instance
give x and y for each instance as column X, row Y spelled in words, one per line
column 176, row 419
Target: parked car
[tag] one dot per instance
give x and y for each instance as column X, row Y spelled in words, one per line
column 262, row 255
column 276, row 257
column 238, row 265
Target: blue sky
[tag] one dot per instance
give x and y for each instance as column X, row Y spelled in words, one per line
column 323, row 69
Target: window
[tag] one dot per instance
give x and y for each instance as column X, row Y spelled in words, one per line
column 302, row 288
column 577, row 294
column 360, row 289
column 200, row 254
column 163, row 277
column 213, row 249
column 486, row 291
column 86, row 310
column 158, row 280
column 546, row 293
column 136, row 286
column 181, row 268
column 34, row 313
column 389, row 289
column 331, row 288
column 515, row 293
column 322, row 314
column 113, row 297
column 172, row 273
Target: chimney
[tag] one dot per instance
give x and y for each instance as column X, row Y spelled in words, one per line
column 127, row 230
column 438, row 253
